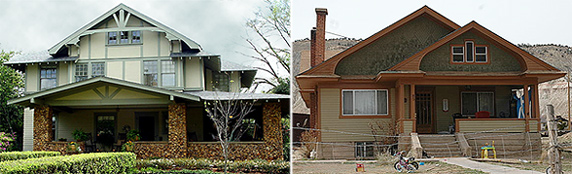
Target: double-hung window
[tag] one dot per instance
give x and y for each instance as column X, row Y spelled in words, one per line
column 473, row 102
column 48, row 78
column 112, row 38
column 98, row 69
column 124, row 35
column 167, row 73
column 364, row 102
column 136, row 37
column 481, row 54
column 150, row 73
column 80, row 72
column 458, row 53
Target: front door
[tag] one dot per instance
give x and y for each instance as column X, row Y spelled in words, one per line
column 424, row 111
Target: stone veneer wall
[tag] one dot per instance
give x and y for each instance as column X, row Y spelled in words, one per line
column 270, row 149
column 42, row 127
column 177, row 131
column 151, row 149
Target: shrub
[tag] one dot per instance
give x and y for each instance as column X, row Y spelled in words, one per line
column 83, row 163
column 262, row 166
column 7, row 156
column 5, row 139
column 80, row 135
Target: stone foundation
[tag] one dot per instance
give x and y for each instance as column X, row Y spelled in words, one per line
column 151, row 149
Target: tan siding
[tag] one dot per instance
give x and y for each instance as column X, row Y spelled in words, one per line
column 74, row 52
column 68, row 122
column 150, row 47
column 193, row 73
column 115, row 70
column 165, row 45
column 84, row 47
column 392, row 102
column 133, row 71
column 533, row 125
column 176, row 46
column 490, row 125
column 408, row 99
column 98, row 45
column 32, row 78
column 123, row 51
column 235, row 82
column 407, row 126
column 28, row 140
column 63, row 77
column 330, row 112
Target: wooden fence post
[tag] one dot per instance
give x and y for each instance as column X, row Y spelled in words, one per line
column 553, row 152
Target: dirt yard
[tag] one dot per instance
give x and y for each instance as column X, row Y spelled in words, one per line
column 350, row 167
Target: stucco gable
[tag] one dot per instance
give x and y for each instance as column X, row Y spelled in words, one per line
column 329, row 66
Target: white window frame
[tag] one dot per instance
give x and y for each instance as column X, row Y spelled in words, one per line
column 478, row 103
column 76, row 75
column 467, row 52
column 457, row 54
column 482, row 54
column 162, row 72
column 375, row 100
column 129, row 37
column 93, row 72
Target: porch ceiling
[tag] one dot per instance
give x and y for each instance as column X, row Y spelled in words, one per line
column 103, row 91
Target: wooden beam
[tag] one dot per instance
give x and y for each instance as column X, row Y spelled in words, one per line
column 536, row 102
column 399, row 106
column 412, row 113
column 526, row 108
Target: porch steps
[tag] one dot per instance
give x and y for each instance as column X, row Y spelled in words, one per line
column 439, row 146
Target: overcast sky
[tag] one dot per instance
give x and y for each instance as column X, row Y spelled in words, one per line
column 217, row 25
column 523, row 21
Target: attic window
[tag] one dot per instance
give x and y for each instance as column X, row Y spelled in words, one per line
column 125, row 37
column 469, row 52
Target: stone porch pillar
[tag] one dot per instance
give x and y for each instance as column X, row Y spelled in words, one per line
column 272, row 129
column 42, row 127
column 177, row 147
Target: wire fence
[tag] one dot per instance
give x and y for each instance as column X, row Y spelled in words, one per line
column 519, row 145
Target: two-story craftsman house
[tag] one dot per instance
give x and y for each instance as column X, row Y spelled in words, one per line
column 125, row 71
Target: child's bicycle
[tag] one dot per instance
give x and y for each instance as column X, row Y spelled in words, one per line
column 404, row 163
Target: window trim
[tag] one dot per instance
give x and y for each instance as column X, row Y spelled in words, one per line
column 75, row 75
column 159, row 73
column 474, row 53
column 40, row 76
column 387, row 115
column 492, row 113
column 118, row 38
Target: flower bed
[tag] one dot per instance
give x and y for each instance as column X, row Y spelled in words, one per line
column 83, row 163
column 262, row 166
column 7, row 156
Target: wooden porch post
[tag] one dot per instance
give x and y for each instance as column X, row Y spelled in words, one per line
column 42, row 127
column 536, row 102
column 526, row 108
column 412, row 113
column 400, row 106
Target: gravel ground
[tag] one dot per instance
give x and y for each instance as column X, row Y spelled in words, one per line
column 350, row 167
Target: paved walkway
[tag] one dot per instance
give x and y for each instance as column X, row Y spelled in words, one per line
column 490, row 168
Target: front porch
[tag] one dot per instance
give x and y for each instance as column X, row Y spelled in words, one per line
column 173, row 125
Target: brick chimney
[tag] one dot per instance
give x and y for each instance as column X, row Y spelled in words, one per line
column 318, row 38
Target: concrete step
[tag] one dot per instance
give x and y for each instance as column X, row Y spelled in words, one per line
column 445, row 154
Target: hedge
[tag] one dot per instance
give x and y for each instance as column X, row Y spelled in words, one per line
column 233, row 166
column 7, row 156
column 84, row 163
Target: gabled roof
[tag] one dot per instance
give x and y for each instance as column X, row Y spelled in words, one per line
column 527, row 61
column 329, row 66
column 171, row 34
column 26, row 99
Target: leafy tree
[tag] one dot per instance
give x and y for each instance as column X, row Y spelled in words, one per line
column 272, row 26
column 11, row 83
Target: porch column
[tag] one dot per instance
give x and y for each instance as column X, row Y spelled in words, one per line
column 536, row 102
column 42, row 127
column 272, row 130
column 412, row 113
column 526, row 108
column 177, row 131
column 313, row 111
column 399, row 107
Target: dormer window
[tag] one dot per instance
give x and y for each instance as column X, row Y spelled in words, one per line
column 469, row 53
column 48, row 77
column 123, row 37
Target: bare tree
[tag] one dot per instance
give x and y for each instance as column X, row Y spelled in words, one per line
column 272, row 27
column 228, row 115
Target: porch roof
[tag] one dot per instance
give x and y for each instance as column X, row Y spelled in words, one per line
column 36, row 98
column 217, row 95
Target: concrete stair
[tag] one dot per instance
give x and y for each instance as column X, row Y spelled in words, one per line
column 439, row 146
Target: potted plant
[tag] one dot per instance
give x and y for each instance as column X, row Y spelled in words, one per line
column 72, row 147
column 79, row 135
column 133, row 135
column 127, row 147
